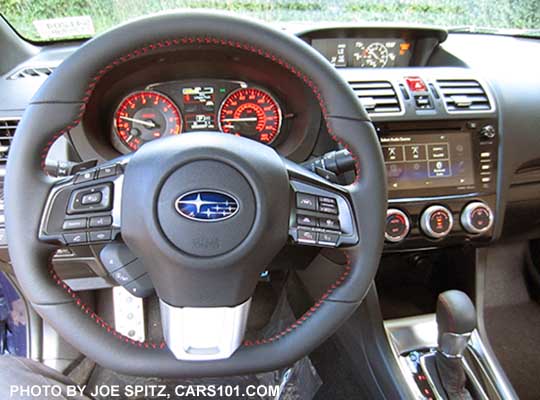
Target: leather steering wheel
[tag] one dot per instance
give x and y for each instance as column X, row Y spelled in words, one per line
column 200, row 270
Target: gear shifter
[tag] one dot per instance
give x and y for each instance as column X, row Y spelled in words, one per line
column 456, row 319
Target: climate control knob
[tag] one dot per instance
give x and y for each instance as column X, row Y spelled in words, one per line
column 436, row 222
column 397, row 225
column 477, row 217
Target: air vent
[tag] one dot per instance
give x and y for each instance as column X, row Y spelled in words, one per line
column 461, row 95
column 7, row 131
column 37, row 72
column 377, row 97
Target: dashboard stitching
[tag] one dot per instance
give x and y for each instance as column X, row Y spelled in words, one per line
column 212, row 41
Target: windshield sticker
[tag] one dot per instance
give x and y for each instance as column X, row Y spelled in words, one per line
column 67, row 27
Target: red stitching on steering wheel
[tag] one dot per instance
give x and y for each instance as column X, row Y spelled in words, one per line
column 211, row 41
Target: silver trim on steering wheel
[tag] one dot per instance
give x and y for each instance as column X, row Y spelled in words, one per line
column 204, row 333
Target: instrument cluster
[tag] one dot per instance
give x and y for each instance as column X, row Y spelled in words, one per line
column 171, row 108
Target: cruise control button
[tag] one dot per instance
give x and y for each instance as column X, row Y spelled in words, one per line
column 85, row 176
column 75, row 238
column 306, row 201
column 99, row 236
column 79, row 223
column 329, row 223
column 98, row 222
column 306, row 220
column 91, row 198
column 327, row 238
column 115, row 256
column 141, row 287
column 129, row 273
column 305, row 236
column 105, row 172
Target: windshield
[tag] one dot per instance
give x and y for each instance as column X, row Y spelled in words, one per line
column 41, row 20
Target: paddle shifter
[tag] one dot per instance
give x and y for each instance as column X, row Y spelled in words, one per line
column 456, row 319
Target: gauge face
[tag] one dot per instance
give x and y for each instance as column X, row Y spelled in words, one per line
column 375, row 55
column 144, row 116
column 252, row 113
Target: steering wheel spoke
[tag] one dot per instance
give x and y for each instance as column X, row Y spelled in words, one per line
column 321, row 212
column 85, row 208
column 204, row 333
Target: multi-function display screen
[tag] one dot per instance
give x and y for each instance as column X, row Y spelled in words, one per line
column 365, row 53
column 430, row 160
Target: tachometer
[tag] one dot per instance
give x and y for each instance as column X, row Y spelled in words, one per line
column 144, row 116
column 252, row 113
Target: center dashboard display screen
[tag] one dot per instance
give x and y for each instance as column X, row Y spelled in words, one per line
column 365, row 53
column 428, row 160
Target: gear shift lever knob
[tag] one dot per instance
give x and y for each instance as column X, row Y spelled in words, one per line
column 456, row 319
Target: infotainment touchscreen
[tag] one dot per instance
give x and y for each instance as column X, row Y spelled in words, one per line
column 428, row 160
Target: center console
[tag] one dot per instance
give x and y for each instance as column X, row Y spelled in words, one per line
column 441, row 179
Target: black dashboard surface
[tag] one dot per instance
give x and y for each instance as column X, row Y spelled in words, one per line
column 508, row 65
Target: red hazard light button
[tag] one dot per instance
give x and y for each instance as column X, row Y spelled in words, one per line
column 416, row 84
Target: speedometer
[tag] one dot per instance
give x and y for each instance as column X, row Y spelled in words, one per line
column 144, row 116
column 251, row 112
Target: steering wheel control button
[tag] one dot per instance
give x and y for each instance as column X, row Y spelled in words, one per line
column 477, row 217
column 70, row 224
column 99, row 222
column 328, row 239
column 100, row 236
column 307, row 236
column 85, row 176
column 115, row 256
column 75, row 238
column 436, row 222
column 328, row 210
column 397, row 225
column 327, row 201
column 329, row 223
column 94, row 198
column 141, row 287
column 107, row 172
column 91, row 198
column 129, row 273
column 306, row 202
column 306, row 220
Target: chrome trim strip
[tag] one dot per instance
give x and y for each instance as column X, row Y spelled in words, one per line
column 204, row 333
column 420, row 332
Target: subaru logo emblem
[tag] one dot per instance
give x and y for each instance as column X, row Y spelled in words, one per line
column 206, row 206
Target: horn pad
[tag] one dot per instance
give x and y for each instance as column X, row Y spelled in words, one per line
column 206, row 208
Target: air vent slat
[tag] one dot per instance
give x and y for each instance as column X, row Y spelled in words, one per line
column 377, row 97
column 462, row 95
column 7, row 131
column 32, row 72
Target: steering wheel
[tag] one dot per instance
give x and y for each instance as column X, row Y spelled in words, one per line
column 203, row 271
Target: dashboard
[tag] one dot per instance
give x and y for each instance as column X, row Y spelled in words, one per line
column 170, row 108
column 445, row 119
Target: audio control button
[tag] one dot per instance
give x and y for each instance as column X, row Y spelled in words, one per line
column 397, row 225
column 436, row 222
column 477, row 217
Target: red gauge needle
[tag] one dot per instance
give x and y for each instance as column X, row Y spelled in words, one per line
column 148, row 124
